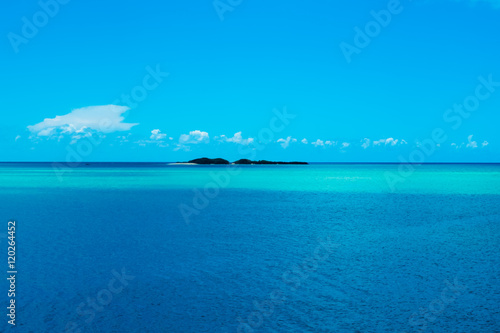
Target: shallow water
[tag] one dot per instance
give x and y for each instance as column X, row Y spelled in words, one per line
column 318, row 248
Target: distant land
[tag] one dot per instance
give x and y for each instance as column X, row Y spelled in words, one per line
column 205, row 160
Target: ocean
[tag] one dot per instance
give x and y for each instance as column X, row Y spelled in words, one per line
column 293, row 248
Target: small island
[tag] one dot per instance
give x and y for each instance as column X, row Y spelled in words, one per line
column 221, row 161
column 206, row 160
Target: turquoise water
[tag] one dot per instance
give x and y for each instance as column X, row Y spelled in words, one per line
column 318, row 248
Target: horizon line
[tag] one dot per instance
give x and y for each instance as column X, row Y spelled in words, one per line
column 169, row 162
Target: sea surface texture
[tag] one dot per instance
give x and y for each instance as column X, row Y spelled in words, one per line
column 314, row 248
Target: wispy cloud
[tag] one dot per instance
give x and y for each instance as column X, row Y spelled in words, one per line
column 157, row 138
column 386, row 142
column 124, row 138
column 366, row 143
column 84, row 121
column 157, row 135
column 318, row 143
column 391, row 142
column 330, row 143
column 286, row 142
column 470, row 142
column 186, row 142
column 237, row 138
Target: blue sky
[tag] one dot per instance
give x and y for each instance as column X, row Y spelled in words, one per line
column 238, row 79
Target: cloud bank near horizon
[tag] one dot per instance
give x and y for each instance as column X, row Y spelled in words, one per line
column 85, row 122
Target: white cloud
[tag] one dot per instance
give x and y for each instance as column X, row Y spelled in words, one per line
column 345, row 145
column 157, row 138
column 81, row 122
column 17, row 138
column 318, row 143
column 157, row 135
column 237, row 138
column 286, row 142
column 194, row 137
column 385, row 142
column 366, row 143
column 391, row 141
column 304, row 141
column 458, row 146
column 471, row 144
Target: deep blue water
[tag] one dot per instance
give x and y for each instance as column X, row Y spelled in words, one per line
column 279, row 249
